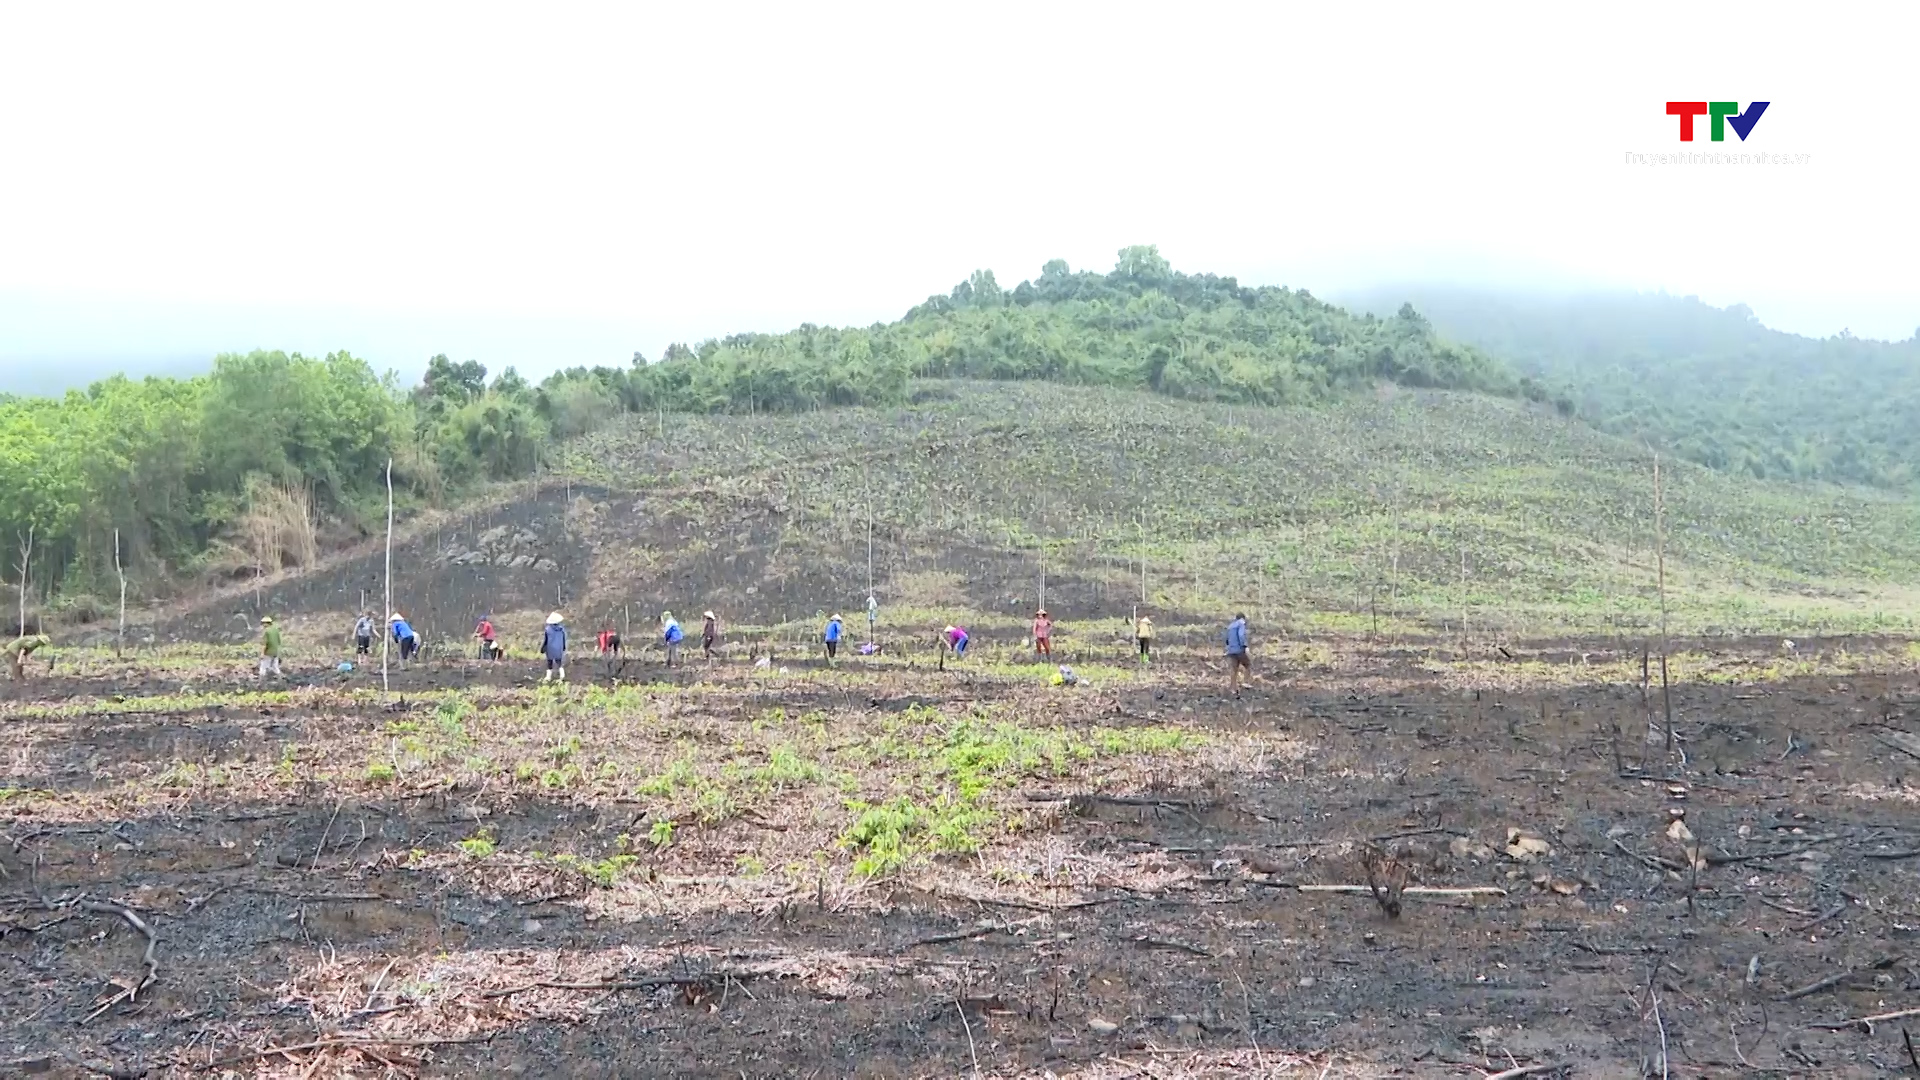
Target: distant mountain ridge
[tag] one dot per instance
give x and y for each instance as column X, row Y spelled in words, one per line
column 29, row 375
column 1710, row 384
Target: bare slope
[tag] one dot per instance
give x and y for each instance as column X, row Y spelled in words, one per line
column 1424, row 506
column 1415, row 511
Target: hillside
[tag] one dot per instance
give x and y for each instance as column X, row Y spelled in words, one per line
column 1711, row 384
column 1364, row 505
column 1142, row 325
column 271, row 457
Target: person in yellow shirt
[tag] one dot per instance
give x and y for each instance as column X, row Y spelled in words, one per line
column 1143, row 635
column 269, row 647
column 19, row 649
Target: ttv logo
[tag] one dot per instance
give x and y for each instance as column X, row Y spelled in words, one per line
column 1722, row 112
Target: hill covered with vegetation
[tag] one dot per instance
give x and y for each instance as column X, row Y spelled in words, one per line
column 238, row 469
column 1239, row 435
column 1142, row 325
column 1419, row 507
column 1711, row 384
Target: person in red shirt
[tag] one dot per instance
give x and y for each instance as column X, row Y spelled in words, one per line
column 489, row 648
column 1043, row 634
column 609, row 642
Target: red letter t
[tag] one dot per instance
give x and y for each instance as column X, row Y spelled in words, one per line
column 1686, row 111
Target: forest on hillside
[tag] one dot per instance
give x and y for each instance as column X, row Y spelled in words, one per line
column 1710, row 384
column 244, row 469
column 1142, row 325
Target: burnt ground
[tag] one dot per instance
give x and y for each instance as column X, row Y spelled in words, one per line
column 1162, row 935
column 617, row 559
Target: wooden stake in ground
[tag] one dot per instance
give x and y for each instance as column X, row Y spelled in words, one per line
column 387, row 638
column 120, row 639
column 1660, row 563
column 1143, row 558
column 26, row 557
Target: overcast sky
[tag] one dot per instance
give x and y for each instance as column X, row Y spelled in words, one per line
column 551, row 184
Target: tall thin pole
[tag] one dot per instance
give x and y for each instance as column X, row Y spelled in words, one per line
column 1660, row 562
column 1143, row 557
column 386, row 639
column 120, row 640
column 1660, row 550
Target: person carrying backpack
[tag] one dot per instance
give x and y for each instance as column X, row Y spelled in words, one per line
column 553, row 645
column 832, row 637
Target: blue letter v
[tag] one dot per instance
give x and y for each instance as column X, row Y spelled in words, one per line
column 1743, row 123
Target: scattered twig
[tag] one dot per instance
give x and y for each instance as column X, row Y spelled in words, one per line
column 1662, row 1026
column 1822, row 917
column 628, row 984
column 1865, row 1023
column 1834, row 980
column 153, row 966
column 194, row 904
column 1163, row 943
column 942, row 939
column 1788, row 908
column 971, row 1052
column 1246, row 996
column 1911, row 1056
column 322, row 845
column 1903, row 853
column 1525, row 1070
column 334, row 1043
column 377, row 983
column 1411, row 890
column 1652, row 862
column 1410, row 833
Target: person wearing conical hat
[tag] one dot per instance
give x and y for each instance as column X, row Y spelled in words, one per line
column 269, row 647
column 953, row 639
column 553, row 645
column 404, row 636
column 709, row 634
column 1143, row 636
column 832, row 637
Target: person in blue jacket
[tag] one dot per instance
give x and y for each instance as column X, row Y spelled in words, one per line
column 832, row 637
column 404, row 637
column 554, row 646
column 672, row 635
column 1239, row 659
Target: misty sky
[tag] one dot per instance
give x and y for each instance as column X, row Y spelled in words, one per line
column 547, row 185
